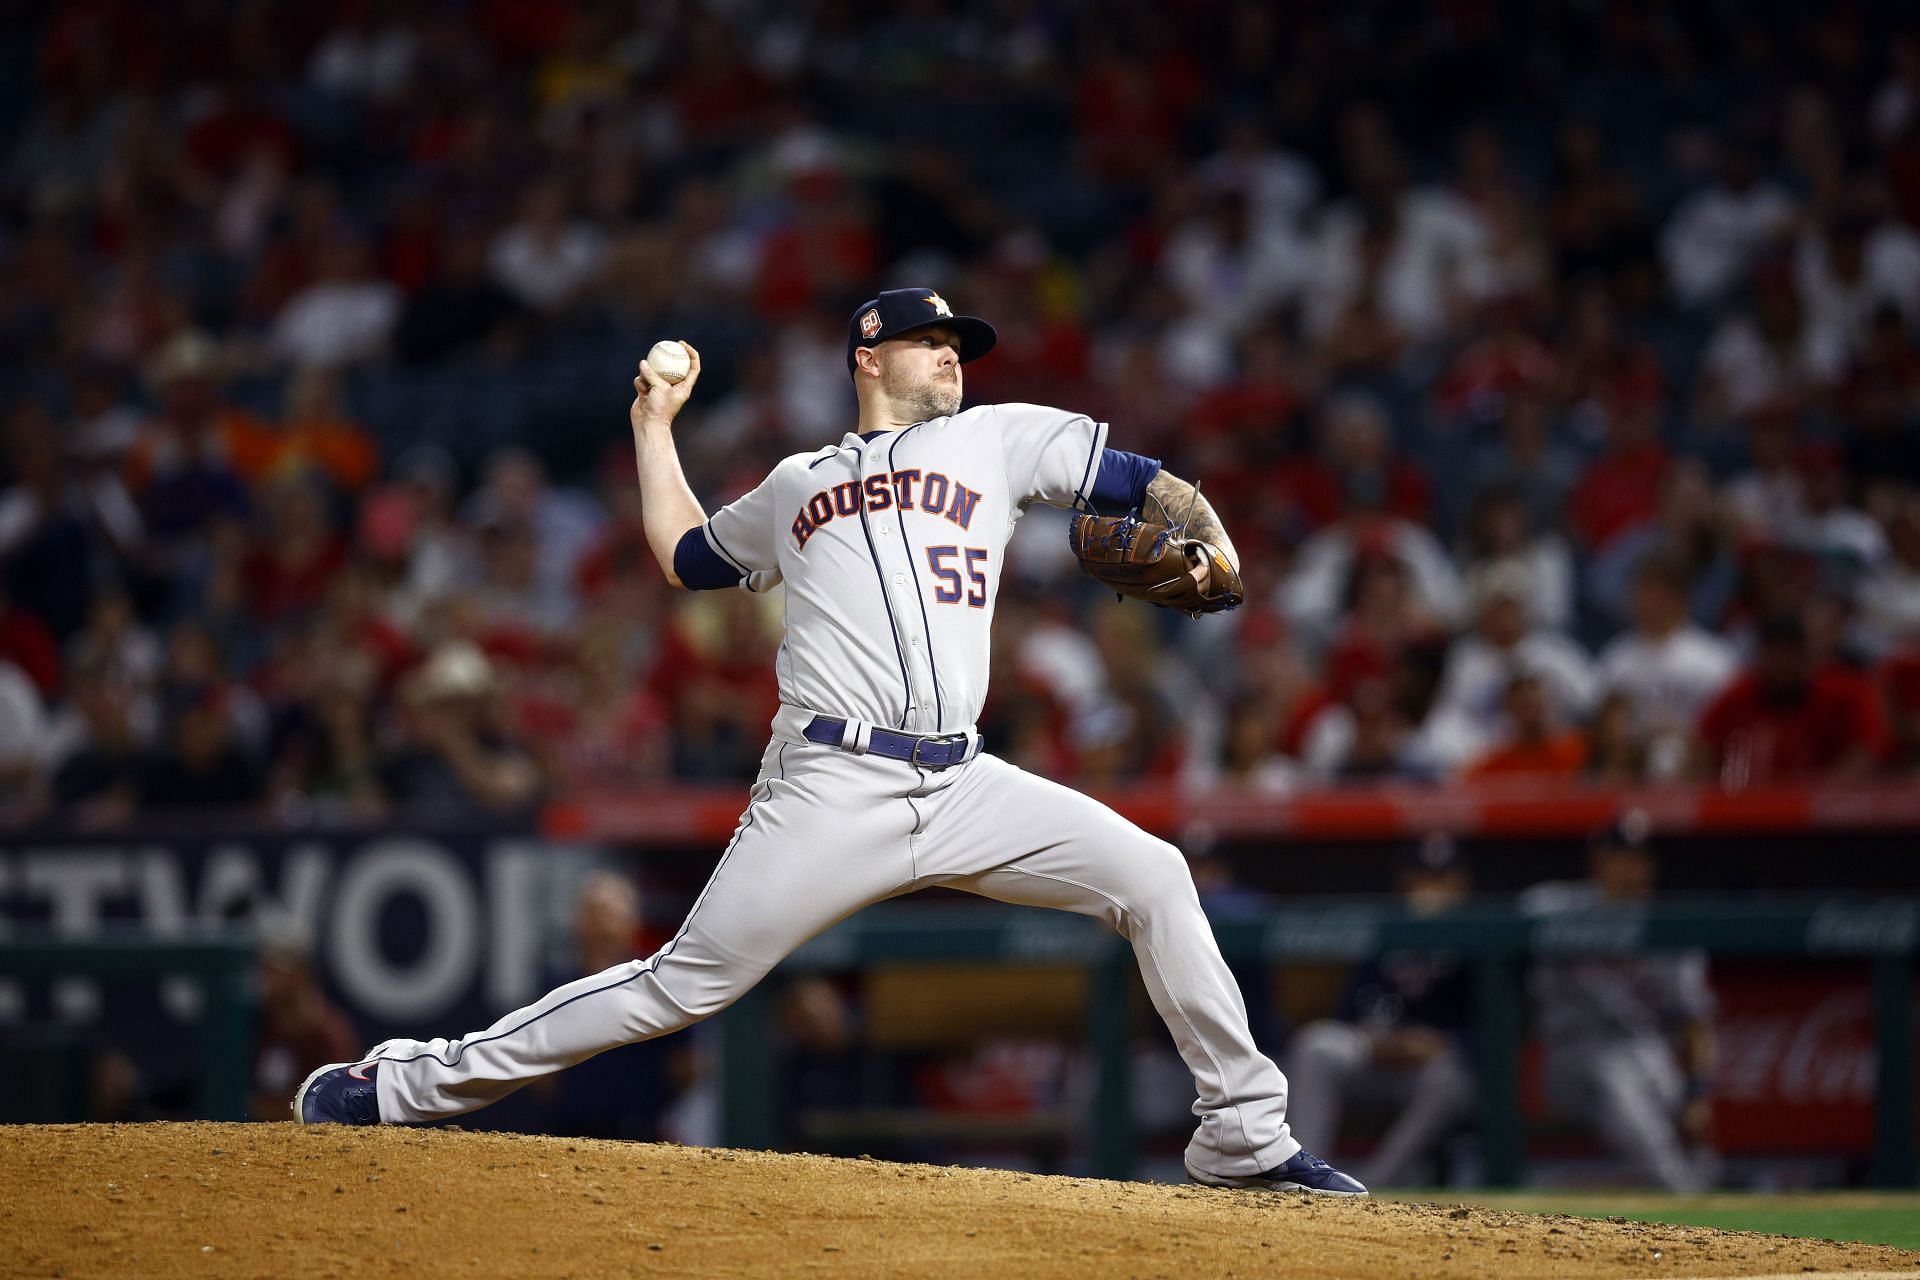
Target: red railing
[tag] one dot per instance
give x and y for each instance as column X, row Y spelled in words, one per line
column 702, row 814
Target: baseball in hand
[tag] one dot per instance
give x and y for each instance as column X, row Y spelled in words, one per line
column 669, row 360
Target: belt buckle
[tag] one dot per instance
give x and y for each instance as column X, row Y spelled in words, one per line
column 944, row 739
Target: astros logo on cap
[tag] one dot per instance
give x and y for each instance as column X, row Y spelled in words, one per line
column 895, row 312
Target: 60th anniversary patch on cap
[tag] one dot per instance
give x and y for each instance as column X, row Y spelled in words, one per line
column 897, row 312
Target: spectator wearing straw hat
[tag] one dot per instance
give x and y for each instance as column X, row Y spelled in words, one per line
column 457, row 759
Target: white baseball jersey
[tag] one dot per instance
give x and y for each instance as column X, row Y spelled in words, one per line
column 890, row 547
column 1669, row 680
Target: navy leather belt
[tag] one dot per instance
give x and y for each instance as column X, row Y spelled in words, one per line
column 935, row 751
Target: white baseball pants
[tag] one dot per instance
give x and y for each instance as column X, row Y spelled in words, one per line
column 827, row 833
column 1630, row 1091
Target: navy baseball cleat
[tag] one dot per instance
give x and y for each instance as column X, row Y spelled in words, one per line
column 1304, row 1172
column 342, row 1093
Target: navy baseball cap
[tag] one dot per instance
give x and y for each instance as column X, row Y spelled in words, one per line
column 897, row 312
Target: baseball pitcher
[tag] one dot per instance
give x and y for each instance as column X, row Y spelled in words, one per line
column 890, row 543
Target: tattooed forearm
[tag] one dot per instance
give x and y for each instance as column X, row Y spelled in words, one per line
column 1176, row 498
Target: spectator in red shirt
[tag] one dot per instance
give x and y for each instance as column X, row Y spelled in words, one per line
column 1383, row 616
column 298, row 552
column 1243, row 439
column 714, row 670
column 26, row 642
column 1900, row 677
column 236, row 122
column 588, row 719
column 716, row 93
column 1049, row 345
column 1603, row 365
column 1785, row 719
column 1509, row 361
column 1130, row 113
column 1620, row 489
column 1535, row 746
column 1356, row 442
column 825, row 241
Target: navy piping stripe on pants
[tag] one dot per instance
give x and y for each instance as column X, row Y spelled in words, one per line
column 647, row 968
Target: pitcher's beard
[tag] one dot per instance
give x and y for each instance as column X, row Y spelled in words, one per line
column 929, row 400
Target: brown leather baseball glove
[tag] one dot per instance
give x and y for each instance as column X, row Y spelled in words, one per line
column 1149, row 560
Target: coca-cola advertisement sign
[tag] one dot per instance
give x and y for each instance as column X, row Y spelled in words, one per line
column 1797, row 1060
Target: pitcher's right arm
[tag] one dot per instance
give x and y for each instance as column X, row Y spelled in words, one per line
column 668, row 507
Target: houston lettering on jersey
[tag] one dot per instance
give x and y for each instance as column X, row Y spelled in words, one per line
column 909, row 490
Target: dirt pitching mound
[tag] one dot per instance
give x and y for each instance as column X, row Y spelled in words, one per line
column 279, row 1200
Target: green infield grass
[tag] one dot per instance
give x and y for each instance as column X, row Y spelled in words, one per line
column 1874, row 1217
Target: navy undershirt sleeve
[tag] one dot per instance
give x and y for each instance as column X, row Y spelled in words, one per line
column 1123, row 480
column 699, row 566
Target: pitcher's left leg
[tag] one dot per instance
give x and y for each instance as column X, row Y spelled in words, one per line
column 1007, row 834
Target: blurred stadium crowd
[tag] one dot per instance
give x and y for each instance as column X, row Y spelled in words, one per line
column 1554, row 368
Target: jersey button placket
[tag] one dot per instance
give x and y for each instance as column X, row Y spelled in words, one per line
column 909, row 619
